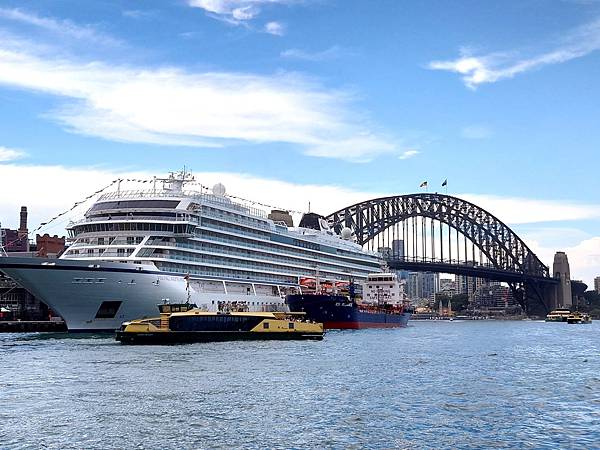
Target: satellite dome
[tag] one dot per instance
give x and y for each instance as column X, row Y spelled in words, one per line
column 346, row 233
column 218, row 190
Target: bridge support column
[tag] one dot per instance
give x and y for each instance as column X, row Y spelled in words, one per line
column 561, row 270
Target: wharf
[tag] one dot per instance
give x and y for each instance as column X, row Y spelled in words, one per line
column 29, row 326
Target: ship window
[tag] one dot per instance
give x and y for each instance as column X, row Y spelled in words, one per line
column 108, row 310
column 291, row 325
column 265, row 325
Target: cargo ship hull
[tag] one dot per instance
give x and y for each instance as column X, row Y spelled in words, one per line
column 339, row 312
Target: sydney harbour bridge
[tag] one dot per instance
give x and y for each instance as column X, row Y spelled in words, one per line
column 441, row 233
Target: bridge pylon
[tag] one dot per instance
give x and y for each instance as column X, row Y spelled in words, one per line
column 563, row 297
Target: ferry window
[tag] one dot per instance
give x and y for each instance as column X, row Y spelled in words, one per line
column 100, row 241
column 266, row 325
column 139, row 239
column 130, row 240
column 291, row 325
column 90, row 251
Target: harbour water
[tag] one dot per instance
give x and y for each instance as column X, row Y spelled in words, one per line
column 472, row 384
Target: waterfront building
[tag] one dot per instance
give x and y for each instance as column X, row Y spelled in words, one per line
column 13, row 297
column 494, row 294
column 16, row 240
column 597, row 284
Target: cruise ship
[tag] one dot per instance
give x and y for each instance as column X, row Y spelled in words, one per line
column 136, row 249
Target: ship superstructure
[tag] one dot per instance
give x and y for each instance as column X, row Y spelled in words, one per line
column 134, row 249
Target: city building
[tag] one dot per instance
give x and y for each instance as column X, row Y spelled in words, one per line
column 468, row 285
column 15, row 301
column 16, row 240
column 597, row 284
column 422, row 285
column 448, row 287
column 398, row 253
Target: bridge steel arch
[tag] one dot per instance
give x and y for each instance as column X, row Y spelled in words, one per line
column 503, row 248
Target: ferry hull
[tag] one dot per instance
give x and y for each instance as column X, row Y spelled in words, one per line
column 338, row 312
column 188, row 337
column 77, row 290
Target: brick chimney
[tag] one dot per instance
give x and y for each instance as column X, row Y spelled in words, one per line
column 23, row 232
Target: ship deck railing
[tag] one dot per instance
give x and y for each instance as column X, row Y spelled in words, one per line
column 198, row 196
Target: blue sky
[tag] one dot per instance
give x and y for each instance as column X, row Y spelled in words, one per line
column 359, row 97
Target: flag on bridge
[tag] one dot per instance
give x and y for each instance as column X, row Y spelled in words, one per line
column 445, row 183
column 423, row 184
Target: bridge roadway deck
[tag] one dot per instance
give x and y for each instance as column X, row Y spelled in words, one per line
column 489, row 273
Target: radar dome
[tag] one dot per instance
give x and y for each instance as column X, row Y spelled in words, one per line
column 346, row 233
column 218, row 190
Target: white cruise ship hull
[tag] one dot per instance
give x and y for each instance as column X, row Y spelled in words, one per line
column 99, row 296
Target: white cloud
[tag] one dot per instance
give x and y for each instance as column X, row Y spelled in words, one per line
column 275, row 28
column 171, row 106
column 517, row 210
column 333, row 52
column 236, row 12
column 476, row 70
column 584, row 256
column 10, row 154
column 476, row 132
column 409, row 154
column 54, row 192
column 62, row 27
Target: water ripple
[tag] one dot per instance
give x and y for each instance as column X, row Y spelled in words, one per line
column 432, row 385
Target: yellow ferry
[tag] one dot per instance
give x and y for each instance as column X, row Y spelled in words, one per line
column 181, row 323
column 578, row 318
column 558, row 315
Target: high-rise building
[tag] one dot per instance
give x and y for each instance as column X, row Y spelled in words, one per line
column 468, row 285
column 422, row 285
column 398, row 248
column 597, row 284
column 448, row 287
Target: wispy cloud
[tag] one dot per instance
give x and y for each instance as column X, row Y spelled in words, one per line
column 333, row 52
column 493, row 67
column 138, row 14
column 172, row 106
column 236, row 12
column 10, row 154
column 58, row 26
column 275, row 28
column 476, row 132
column 409, row 154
